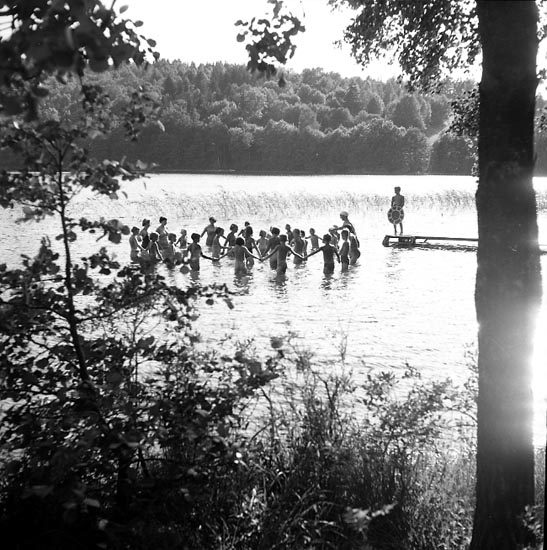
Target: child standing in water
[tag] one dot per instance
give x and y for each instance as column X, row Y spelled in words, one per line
column 134, row 245
column 344, row 250
column 290, row 234
column 242, row 255
column 314, row 239
column 162, row 232
column 354, row 251
column 329, row 253
column 216, row 247
column 262, row 243
column 169, row 252
column 242, row 232
column 299, row 247
column 182, row 240
column 210, row 230
column 282, row 250
column 250, row 243
column 194, row 250
column 232, row 235
column 143, row 234
column 272, row 244
column 154, row 254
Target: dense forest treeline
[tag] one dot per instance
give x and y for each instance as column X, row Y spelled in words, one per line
column 221, row 117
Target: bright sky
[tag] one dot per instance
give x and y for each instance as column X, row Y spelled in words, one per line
column 203, row 31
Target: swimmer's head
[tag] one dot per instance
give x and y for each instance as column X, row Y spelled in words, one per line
column 172, row 237
column 212, row 220
column 240, row 241
column 135, row 230
column 163, row 220
column 219, row 231
column 262, row 233
column 288, row 227
column 153, row 236
column 345, row 234
column 326, row 238
column 312, row 231
column 344, row 214
column 247, row 224
column 296, row 232
column 397, row 189
column 195, row 237
column 183, row 232
column 233, row 227
column 283, row 238
column 275, row 230
column 145, row 222
column 248, row 230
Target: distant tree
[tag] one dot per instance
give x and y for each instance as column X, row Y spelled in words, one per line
column 241, row 141
column 251, row 102
column 353, row 100
column 278, row 147
column 375, row 148
column 310, row 141
column 307, row 118
column 336, row 97
column 440, row 111
column 333, row 118
column 375, row 105
column 335, row 150
column 310, row 95
column 452, row 155
column 276, row 110
column 406, row 112
column 169, row 86
column 414, row 150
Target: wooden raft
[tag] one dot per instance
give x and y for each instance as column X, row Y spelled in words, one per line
column 416, row 240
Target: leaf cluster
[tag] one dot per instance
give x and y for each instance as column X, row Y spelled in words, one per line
column 427, row 38
column 52, row 37
column 269, row 40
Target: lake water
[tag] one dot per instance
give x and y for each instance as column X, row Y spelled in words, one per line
column 396, row 306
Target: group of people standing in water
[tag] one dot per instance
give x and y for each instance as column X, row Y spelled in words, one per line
column 340, row 244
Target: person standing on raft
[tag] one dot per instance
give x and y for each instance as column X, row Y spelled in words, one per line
column 396, row 213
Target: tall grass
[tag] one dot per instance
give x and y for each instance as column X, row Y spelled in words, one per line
column 269, row 204
column 320, row 472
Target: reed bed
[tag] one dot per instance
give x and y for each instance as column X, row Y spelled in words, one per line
column 267, row 204
column 233, row 204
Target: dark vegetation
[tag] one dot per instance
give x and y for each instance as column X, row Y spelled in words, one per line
column 222, row 117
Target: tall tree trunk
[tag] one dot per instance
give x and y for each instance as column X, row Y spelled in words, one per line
column 508, row 284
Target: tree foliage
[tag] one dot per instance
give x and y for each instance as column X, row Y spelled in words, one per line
column 422, row 36
column 61, row 38
column 203, row 105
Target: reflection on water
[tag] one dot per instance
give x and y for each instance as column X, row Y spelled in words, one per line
column 327, row 281
column 392, row 264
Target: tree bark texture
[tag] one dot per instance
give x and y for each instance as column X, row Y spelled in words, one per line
column 508, row 283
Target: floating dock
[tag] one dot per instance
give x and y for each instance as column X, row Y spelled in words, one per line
column 418, row 240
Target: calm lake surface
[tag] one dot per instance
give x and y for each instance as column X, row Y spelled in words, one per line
column 396, row 306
